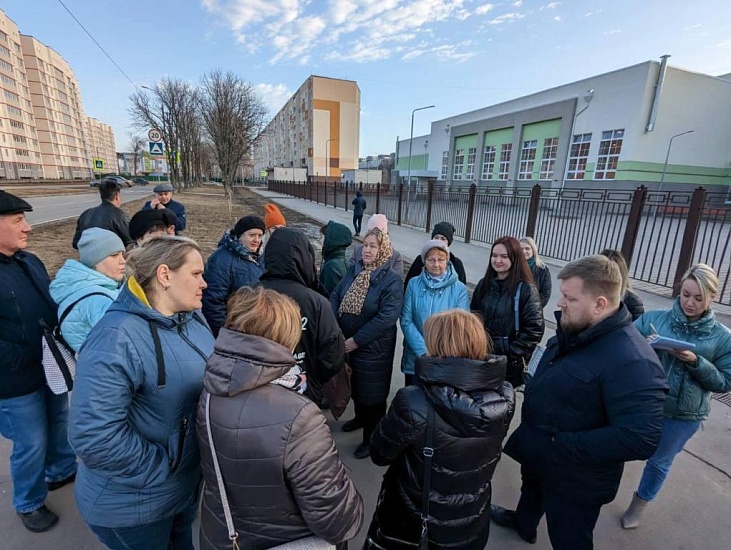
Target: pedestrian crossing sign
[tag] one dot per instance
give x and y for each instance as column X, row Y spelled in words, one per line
column 98, row 165
column 156, row 148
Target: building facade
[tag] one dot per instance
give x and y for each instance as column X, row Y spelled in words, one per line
column 649, row 124
column 317, row 129
column 100, row 143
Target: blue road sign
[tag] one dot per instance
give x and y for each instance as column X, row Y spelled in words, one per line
column 156, row 148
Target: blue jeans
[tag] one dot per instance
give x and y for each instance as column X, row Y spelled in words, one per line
column 675, row 434
column 37, row 424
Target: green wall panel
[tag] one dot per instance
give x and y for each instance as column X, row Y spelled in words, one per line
column 539, row 131
column 418, row 162
column 498, row 137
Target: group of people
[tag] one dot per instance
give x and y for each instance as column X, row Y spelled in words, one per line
column 222, row 370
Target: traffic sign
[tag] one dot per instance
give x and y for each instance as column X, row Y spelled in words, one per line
column 98, row 164
column 156, row 148
column 154, row 135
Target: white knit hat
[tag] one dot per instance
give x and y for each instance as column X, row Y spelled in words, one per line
column 96, row 244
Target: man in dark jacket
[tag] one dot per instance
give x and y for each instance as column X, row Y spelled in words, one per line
column 165, row 199
column 359, row 206
column 290, row 269
column 595, row 402
column 444, row 231
column 32, row 417
column 108, row 215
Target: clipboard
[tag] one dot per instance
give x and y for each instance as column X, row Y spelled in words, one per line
column 669, row 344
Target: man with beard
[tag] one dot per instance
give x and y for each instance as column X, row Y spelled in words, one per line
column 595, row 402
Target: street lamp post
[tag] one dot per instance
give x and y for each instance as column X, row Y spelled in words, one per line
column 327, row 161
column 408, row 177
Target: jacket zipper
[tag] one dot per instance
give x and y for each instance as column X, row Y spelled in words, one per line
column 181, row 444
column 20, row 315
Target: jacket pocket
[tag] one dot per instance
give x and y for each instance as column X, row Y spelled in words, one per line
column 176, row 445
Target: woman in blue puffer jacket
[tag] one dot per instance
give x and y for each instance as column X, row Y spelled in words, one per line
column 132, row 418
column 692, row 375
column 436, row 289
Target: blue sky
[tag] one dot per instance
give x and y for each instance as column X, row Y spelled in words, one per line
column 459, row 55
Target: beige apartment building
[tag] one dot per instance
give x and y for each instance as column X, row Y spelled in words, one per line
column 100, row 143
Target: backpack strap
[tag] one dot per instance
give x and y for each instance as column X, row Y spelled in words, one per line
column 428, row 452
column 158, row 354
column 62, row 318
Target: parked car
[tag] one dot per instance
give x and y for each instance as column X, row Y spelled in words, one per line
column 95, row 183
column 140, row 181
column 123, row 182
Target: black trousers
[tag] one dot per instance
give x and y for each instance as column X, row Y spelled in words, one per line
column 357, row 223
column 570, row 522
column 370, row 416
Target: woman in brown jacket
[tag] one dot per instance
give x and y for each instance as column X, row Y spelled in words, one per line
column 282, row 475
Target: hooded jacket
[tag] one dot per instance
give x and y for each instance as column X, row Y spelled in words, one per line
column 290, row 270
column 359, row 204
column 132, row 427
column 691, row 385
column 337, row 239
column 230, row 267
column 74, row 281
column 107, row 216
column 425, row 297
column 473, row 408
column 418, row 266
column 283, row 476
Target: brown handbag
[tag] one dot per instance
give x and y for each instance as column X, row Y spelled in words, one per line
column 337, row 391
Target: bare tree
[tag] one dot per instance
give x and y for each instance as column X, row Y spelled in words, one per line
column 233, row 117
column 137, row 146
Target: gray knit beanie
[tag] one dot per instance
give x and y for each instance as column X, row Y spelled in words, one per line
column 431, row 245
column 97, row 244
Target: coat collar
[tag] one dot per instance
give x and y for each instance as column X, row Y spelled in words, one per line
column 463, row 374
column 570, row 342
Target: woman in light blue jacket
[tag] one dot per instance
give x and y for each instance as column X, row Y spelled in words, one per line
column 437, row 289
column 85, row 289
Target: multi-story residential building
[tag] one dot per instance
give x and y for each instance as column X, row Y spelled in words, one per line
column 317, row 129
column 100, row 143
column 20, row 153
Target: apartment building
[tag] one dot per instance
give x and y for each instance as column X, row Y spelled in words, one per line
column 100, row 143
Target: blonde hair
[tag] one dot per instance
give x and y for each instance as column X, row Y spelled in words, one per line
column 534, row 247
column 456, row 333
column 267, row 313
column 600, row 276
column 169, row 250
column 706, row 277
column 617, row 257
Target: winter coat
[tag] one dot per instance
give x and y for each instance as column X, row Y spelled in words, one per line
column 177, row 208
column 359, row 204
column 691, row 385
column 634, row 304
column 230, row 267
column 24, row 299
column 334, row 266
column 107, row 216
column 73, row 282
column 497, row 309
column 132, row 416
column 290, row 270
column 594, row 403
column 473, row 408
column 374, row 331
column 542, row 276
column 397, row 261
column 425, row 297
column 418, row 266
column 284, row 479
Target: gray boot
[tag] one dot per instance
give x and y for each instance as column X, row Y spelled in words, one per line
column 631, row 518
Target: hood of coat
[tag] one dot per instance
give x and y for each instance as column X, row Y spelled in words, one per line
column 289, row 255
column 702, row 327
column 242, row 362
column 464, row 374
column 231, row 243
column 449, row 279
column 337, row 239
column 132, row 299
column 74, row 277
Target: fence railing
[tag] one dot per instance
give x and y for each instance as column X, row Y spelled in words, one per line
column 661, row 233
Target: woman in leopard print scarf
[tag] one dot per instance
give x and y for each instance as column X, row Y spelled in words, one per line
column 377, row 250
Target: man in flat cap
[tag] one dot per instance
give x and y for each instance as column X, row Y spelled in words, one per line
column 165, row 199
column 31, row 416
column 108, row 215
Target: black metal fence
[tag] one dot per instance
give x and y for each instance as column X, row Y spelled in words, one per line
column 660, row 233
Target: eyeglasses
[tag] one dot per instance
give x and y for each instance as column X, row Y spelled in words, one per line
column 436, row 260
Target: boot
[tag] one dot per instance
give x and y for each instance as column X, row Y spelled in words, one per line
column 631, row 518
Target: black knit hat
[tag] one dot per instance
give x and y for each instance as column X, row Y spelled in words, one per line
column 445, row 229
column 248, row 222
column 145, row 220
column 10, row 204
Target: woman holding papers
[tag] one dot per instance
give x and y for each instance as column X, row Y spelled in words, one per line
column 693, row 374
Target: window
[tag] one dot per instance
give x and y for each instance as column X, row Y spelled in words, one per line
column 578, row 156
column 458, row 164
column 506, row 152
column 527, row 159
column 609, row 149
column 488, row 162
column 548, row 162
column 471, row 159
column 445, row 164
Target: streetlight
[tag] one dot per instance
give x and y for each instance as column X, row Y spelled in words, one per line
column 327, row 141
column 411, row 139
column 667, row 157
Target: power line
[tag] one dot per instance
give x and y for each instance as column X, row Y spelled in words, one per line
column 97, row 43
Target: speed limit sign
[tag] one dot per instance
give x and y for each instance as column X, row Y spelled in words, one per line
column 154, row 135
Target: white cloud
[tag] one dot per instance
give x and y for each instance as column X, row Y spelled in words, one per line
column 518, row 3
column 611, row 32
column 550, row 6
column 691, row 27
column 557, row 19
column 725, row 44
column 274, row 95
column 484, row 8
column 506, row 18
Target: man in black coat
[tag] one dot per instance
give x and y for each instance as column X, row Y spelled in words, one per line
column 108, row 215
column 290, row 269
column 32, row 417
column 595, row 402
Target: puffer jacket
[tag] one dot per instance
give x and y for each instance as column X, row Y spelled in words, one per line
column 634, row 304
column 542, row 277
column 230, row 267
column 473, row 408
column 691, row 385
column 73, row 282
column 497, row 308
column 132, row 418
column 425, row 297
column 374, row 330
column 418, row 266
column 283, row 476
column 334, row 266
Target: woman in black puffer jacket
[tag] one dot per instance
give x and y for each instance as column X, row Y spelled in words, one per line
column 473, row 407
column 494, row 300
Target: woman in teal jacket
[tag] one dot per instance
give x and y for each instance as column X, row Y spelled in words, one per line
column 132, row 419
column 692, row 375
column 437, row 289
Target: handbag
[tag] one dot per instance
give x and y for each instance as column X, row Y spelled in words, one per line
column 308, row 543
column 337, row 391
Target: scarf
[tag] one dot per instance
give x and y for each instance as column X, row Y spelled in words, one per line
column 355, row 296
column 439, row 279
column 294, row 379
column 531, row 261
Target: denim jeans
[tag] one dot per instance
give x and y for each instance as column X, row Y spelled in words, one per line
column 675, row 434
column 37, row 424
